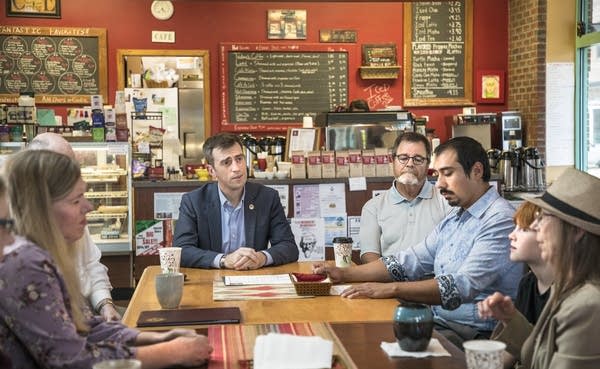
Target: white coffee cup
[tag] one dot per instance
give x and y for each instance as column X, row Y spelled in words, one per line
column 170, row 259
column 484, row 354
column 342, row 249
column 118, row 364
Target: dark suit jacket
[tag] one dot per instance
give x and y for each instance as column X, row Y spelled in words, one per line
column 198, row 229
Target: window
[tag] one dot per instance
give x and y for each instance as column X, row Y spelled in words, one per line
column 587, row 107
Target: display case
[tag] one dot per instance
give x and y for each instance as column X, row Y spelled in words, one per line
column 105, row 169
column 7, row 148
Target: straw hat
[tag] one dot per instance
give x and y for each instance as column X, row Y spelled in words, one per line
column 575, row 198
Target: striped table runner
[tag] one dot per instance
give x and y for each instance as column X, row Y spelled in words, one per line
column 234, row 344
column 221, row 292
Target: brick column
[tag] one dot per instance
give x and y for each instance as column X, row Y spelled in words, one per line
column 527, row 68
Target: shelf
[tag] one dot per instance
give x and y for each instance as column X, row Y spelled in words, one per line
column 98, row 215
column 106, row 195
column 389, row 72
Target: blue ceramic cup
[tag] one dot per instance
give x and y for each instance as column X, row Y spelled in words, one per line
column 413, row 326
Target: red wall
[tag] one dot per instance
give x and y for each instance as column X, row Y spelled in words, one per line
column 203, row 24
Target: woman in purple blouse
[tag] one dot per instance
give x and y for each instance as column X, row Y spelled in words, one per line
column 44, row 320
column 6, row 238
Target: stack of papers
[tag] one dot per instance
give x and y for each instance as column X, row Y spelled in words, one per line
column 286, row 351
column 248, row 280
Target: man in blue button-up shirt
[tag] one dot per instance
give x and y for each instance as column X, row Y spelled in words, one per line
column 468, row 251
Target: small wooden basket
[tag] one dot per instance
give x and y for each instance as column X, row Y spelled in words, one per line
column 311, row 288
column 150, row 83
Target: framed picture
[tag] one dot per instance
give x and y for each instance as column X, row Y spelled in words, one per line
column 489, row 88
column 337, row 35
column 379, row 55
column 33, row 8
column 303, row 139
column 286, row 24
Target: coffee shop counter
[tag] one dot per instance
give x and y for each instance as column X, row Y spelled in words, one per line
column 144, row 194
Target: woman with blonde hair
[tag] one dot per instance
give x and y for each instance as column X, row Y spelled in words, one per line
column 45, row 320
column 6, row 238
column 568, row 232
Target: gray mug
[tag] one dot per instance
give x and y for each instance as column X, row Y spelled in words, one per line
column 169, row 289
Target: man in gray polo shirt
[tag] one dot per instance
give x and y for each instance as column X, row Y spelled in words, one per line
column 406, row 213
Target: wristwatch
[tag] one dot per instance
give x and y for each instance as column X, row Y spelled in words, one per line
column 222, row 262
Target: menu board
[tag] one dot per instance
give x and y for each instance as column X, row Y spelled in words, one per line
column 271, row 86
column 60, row 65
column 438, row 53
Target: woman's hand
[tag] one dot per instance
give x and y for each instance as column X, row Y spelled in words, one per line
column 497, row 306
column 149, row 338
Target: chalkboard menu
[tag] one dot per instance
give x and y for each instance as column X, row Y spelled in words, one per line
column 59, row 65
column 271, row 86
column 438, row 47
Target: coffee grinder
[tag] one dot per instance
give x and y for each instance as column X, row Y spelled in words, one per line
column 512, row 130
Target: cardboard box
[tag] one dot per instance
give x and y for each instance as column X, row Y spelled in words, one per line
column 342, row 167
column 313, row 164
column 369, row 164
column 382, row 159
column 356, row 165
column 298, row 169
column 121, row 120
column 328, row 164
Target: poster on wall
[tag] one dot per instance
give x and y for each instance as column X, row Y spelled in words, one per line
column 286, row 24
column 151, row 235
column 310, row 237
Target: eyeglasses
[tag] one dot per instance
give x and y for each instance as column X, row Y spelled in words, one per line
column 540, row 215
column 7, row 224
column 417, row 159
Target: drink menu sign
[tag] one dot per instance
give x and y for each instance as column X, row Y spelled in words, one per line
column 268, row 87
column 438, row 53
column 60, row 65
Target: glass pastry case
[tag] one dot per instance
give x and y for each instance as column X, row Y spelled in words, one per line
column 105, row 169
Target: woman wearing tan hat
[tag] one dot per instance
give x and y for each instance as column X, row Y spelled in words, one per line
column 568, row 331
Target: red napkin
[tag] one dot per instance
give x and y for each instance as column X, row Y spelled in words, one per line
column 306, row 277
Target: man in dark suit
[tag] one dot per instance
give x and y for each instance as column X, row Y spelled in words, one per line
column 230, row 222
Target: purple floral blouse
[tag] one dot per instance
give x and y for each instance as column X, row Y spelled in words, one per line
column 36, row 330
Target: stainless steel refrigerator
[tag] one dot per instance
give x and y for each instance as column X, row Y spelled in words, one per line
column 191, row 115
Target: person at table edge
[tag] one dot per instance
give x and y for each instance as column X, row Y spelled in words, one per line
column 468, row 251
column 230, row 222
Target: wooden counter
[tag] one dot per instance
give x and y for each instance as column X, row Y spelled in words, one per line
column 143, row 200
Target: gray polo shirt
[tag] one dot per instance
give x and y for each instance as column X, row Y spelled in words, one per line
column 390, row 223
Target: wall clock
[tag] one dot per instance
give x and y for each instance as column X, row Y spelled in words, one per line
column 162, row 9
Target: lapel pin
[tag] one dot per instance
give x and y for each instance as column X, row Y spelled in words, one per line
column 251, row 206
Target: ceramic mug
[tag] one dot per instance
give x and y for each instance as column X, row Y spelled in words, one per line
column 169, row 289
column 413, row 326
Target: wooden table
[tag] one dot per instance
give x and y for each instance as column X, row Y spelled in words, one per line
column 360, row 325
column 197, row 292
column 362, row 342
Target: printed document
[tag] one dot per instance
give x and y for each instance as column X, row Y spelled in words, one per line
column 248, row 280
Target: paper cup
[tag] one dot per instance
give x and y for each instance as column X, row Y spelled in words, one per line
column 170, row 259
column 342, row 249
column 484, row 354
